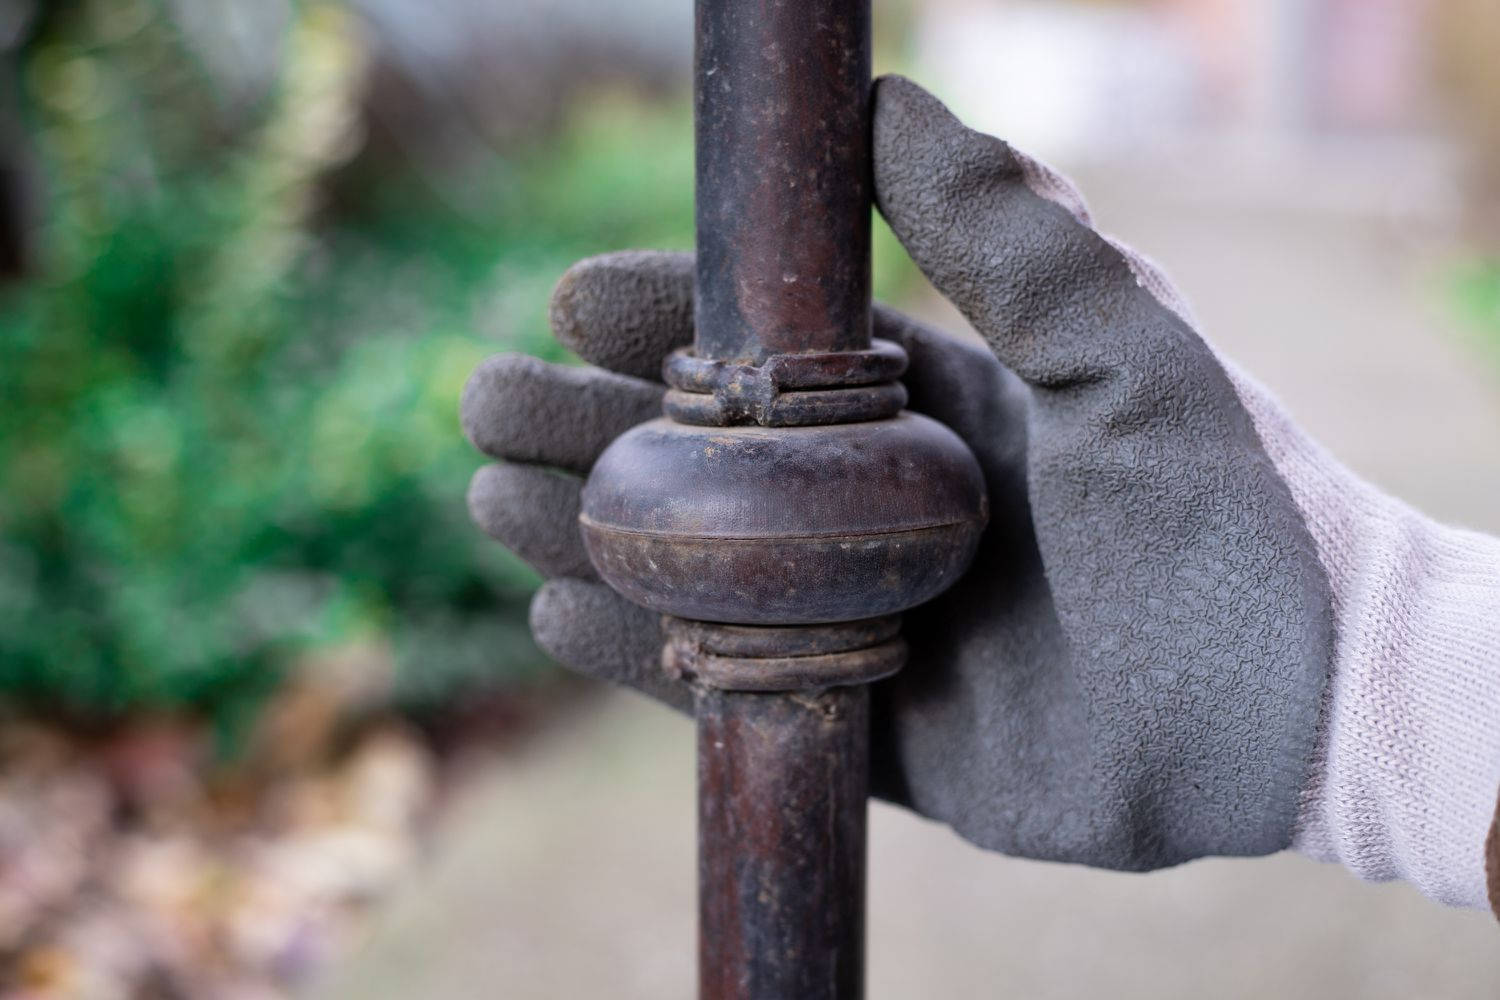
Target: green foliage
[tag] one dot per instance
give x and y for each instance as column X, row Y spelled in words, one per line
column 1477, row 291
column 230, row 435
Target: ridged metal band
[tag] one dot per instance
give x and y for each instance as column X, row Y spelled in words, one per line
column 788, row 389
column 797, row 658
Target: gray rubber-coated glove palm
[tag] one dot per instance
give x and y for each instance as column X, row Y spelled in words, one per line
column 1130, row 674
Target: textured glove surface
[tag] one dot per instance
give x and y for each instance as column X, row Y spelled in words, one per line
column 1130, row 675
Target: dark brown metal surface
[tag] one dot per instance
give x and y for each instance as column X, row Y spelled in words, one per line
column 787, row 490
column 782, row 784
column 783, row 177
column 760, row 526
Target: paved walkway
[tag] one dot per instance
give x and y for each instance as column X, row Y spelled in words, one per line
column 568, row 872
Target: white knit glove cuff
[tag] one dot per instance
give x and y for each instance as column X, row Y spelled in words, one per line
column 1407, row 765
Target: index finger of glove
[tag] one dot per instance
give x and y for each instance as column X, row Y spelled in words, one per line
column 626, row 311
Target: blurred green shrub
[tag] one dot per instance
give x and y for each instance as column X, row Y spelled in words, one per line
column 229, row 430
column 1476, row 289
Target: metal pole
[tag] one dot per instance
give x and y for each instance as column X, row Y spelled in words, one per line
column 783, row 220
column 782, row 784
column 786, row 508
column 782, row 98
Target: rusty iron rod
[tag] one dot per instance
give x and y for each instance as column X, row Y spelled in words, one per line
column 785, row 509
column 782, row 91
column 782, row 787
column 782, row 99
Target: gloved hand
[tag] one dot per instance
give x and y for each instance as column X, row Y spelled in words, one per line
column 1187, row 631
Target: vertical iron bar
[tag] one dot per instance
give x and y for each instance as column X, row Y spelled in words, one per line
column 782, row 90
column 782, row 786
column 782, row 95
column 784, row 510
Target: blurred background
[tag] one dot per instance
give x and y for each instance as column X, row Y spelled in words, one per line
column 270, row 721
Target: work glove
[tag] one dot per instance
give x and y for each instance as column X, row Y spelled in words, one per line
column 1187, row 631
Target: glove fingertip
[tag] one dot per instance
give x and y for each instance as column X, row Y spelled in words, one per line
column 593, row 631
column 625, row 311
column 534, row 513
column 928, row 164
column 522, row 409
column 1007, row 242
column 572, row 622
column 496, row 393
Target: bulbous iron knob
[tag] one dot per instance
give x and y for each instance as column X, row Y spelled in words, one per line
column 752, row 525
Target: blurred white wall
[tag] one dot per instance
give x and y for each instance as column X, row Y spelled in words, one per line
column 1324, row 103
column 1061, row 80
